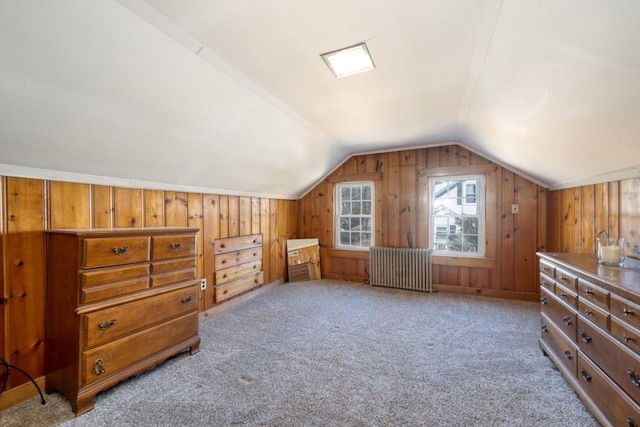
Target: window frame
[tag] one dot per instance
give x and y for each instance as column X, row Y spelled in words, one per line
column 338, row 214
column 479, row 195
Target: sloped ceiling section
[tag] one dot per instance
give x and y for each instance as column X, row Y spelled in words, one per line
column 231, row 97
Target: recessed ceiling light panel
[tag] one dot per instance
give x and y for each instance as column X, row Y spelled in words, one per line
column 348, row 61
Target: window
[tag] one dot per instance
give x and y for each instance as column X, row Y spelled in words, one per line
column 354, row 215
column 457, row 215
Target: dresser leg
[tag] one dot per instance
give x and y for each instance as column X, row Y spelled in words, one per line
column 83, row 404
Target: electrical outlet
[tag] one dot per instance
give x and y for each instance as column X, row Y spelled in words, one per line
column 203, row 284
column 515, row 209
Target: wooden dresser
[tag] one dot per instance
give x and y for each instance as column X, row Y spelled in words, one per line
column 591, row 331
column 238, row 265
column 119, row 301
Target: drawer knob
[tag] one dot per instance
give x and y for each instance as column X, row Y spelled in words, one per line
column 106, row 325
column 186, row 299
column 567, row 320
column 98, row 367
column 544, row 300
column 589, row 292
column 635, row 378
column 120, row 250
column 628, row 311
column 568, row 355
column 585, row 338
column 585, row 375
column 625, row 338
column 175, row 245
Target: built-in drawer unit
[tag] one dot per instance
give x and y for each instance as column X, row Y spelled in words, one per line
column 238, row 265
column 119, row 301
column 590, row 317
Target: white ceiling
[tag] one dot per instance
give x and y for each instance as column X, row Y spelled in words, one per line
column 232, row 97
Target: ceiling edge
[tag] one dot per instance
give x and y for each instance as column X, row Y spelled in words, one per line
column 54, row 175
column 632, row 172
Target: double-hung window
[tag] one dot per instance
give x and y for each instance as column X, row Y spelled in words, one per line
column 354, row 215
column 457, row 215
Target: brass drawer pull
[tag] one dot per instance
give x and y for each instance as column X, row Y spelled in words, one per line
column 175, row 245
column 628, row 311
column 545, row 328
column 544, row 300
column 120, row 251
column 588, row 312
column 98, row 367
column 563, row 295
column 567, row 354
column 625, row 338
column 567, row 320
column 635, row 378
column 106, row 325
column 186, row 299
column 585, row 375
column 586, row 338
column 630, row 422
column 589, row 292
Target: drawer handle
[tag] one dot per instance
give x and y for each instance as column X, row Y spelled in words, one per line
column 564, row 279
column 628, row 311
column 567, row 320
column 630, row 422
column 567, row 354
column 545, row 328
column 98, row 367
column 586, row 338
column 106, row 325
column 585, row 375
column 120, row 251
column 635, row 378
column 175, row 245
column 563, row 295
column 588, row 312
column 186, row 299
column 589, row 292
column 625, row 338
column 544, row 300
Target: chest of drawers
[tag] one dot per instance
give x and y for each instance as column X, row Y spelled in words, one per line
column 590, row 318
column 119, row 301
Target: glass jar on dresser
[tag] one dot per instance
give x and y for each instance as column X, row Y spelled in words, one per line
column 590, row 315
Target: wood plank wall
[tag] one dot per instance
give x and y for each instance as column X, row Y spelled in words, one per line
column 28, row 207
column 576, row 215
column 509, row 268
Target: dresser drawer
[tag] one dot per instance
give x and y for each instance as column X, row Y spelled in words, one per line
column 175, row 246
column 238, row 257
column 570, row 297
column 108, row 251
column 626, row 334
column 567, row 279
column 563, row 316
column 547, row 268
column 238, row 286
column 620, row 364
column 105, row 283
column 615, row 405
column 110, row 358
column 565, row 349
column 594, row 313
column 593, row 294
column 547, row 282
column 110, row 324
column 625, row 310
column 172, row 271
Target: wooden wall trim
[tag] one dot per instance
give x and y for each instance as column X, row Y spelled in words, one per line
column 340, row 253
column 489, row 263
column 334, row 179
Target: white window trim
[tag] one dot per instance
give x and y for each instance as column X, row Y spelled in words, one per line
column 336, row 219
column 480, row 203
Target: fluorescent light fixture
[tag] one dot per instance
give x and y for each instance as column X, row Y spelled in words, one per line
column 350, row 60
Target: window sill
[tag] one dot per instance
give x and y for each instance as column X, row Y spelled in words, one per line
column 474, row 262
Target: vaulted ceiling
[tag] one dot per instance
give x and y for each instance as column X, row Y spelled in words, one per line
column 232, row 96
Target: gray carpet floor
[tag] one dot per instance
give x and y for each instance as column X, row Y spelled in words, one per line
column 331, row 353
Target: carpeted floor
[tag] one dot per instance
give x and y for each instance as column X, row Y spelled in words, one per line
column 331, row 353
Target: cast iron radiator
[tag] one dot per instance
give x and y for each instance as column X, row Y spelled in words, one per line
column 404, row 268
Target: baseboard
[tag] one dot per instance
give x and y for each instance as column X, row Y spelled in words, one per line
column 521, row 296
column 235, row 301
column 20, row 393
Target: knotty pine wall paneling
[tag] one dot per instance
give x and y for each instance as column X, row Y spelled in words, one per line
column 29, row 207
column 402, row 220
column 576, row 215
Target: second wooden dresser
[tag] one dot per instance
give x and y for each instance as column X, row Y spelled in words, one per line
column 119, row 301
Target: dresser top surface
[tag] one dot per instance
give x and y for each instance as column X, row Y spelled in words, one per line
column 124, row 231
column 625, row 279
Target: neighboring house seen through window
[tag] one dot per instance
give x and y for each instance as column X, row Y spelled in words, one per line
column 457, row 215
column 354, row 215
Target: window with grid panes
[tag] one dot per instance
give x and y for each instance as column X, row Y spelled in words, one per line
column 354, row 215
column 457, row 215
